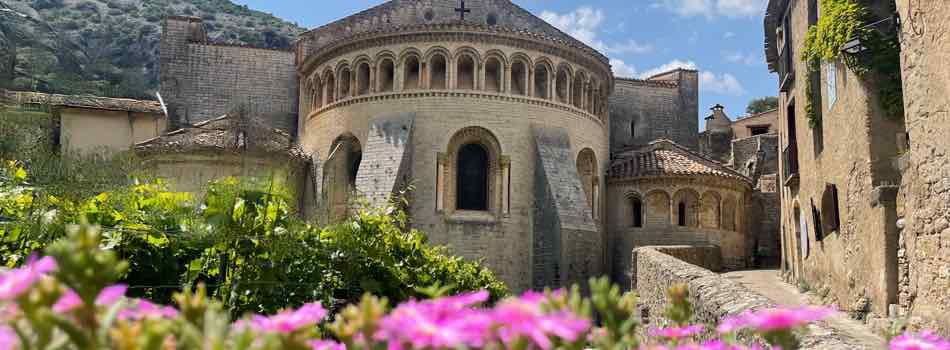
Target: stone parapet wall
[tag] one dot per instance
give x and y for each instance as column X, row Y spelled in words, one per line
column 713, row 297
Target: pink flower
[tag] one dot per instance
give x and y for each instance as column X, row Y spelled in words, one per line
column 775, row 319
column 925, row 340
column 716, row 345
column 677, row 332
column 145, row 309
column 18, row 281
column 326, row 345
column 288, row 321
column 523, row 317
column 69, row 301
column 448, row 322
column 8, row 338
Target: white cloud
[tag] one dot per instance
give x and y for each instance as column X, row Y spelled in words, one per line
column 713, row 8
column 674, row 64
column 723, row 84
column 584, row 23
column 728, row 35
column 750, row 59
column 621, row 69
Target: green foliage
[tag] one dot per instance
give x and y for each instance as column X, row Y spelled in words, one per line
column 841, row 21
column 243, row 240
column 763, row 104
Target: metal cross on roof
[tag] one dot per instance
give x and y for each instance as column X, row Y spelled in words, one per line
column 462, row 10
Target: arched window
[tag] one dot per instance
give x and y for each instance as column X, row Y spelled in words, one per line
column 339, row 175
column 344, row 83
column 387, row 75
column 472, row 178
column 578, row 91
column 586, row 166
column 637, row 211
column 412, row 68
column 317, row 92
column 561, row 85
column 541, row 80
column 681, row 214
column 519, row 78
column 493, row 72
column 362, row 79
column 330, row 89
column 466, row 73
column 687, row 207
column 438, row 74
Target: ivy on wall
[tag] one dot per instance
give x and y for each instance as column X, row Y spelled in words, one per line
column 840, row 21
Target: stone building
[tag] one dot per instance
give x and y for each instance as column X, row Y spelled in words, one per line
column 504, row 126
column 864, row 193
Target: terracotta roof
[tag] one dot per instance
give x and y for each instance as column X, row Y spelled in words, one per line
column 224, row 134
column 667, row 158
column 82, row 101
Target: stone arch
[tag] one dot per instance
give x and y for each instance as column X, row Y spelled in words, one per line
column 635, row 209
column 586, row 165
column 543, row 70
column 437, row 59
column 657, row 208
column 710, row 213
column 344, row 77
column 520, row 70
column 411, row 63
column 385, row 72
column 494, row 73
column 363, row 76
column 589, row 95
column 316, row 93
column 577, row 89
column 329, row 87
column 686, row 207
column 729, row 212
column 562, row 84
column 339, row 174
column 466, row 68
column 463, row 140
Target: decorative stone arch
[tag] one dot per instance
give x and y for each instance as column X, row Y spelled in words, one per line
column 635, row 209
column 466, row 68
column 364, row 74
column 496, row 68
column 730, row 207
column 410, row 63
column 710, row 214
column 543, row 73
column 437, row 60
column 344, row 79
column 686, row 207
column 329, row 86
column 339, row 175
column 496, row 170
column 657, row 211
column 577, row 89
column 586, row 165
column 562, row 83
column 316, row 93
column 521, row 65
column 385, row 72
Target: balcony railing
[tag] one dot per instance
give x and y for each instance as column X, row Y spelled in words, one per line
column 790, row 163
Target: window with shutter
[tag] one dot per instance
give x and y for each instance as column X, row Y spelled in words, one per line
column 832, row 83
column 816, row 216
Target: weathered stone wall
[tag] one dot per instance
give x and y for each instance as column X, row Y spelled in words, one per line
column 201, row 81
column 81, row 129
column 384, row 168
column 925, row 187
column 663, row 107
column 708, row 257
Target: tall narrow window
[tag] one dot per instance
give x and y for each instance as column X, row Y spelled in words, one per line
column 829, row 209
column 344, row 83
column 493, row 73
column 438, row 74
column 387, row 75
column 472, row 178
column 362, row 79
column 577, row 91
column 561, row 85
column 832, row 83
column 519, row 73
column 412, row 73
column 330, row 88
column 681, row 216
column 633, row 130
column 466, row 72
column 541, row 80
column 637, row 212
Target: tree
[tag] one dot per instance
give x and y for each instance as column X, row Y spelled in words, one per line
column 763, row 104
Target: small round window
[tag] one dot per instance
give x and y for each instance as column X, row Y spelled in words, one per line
column 492, row 19
column 429, row 15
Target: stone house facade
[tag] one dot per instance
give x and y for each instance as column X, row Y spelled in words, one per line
column 862, row 214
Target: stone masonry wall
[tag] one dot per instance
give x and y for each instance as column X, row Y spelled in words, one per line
column 713, row 297
column 201, row 81
column 656, row 109
column 925, row 190
column 384, row 169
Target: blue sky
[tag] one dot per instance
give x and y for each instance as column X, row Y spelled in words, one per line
column 721, row 38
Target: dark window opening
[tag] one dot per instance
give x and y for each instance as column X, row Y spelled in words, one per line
column 466, row 73
column 354, row 167
column 816, row 217
column 633, row 130
column 387, row 76
column 493, row 74
column 829, row 209
column 438, row 78
column 790, row 155
column 412, row 73
column 637, row 213
column 758, row 130
column 541, row 82
column 472, row 183
column 518, row 80
column 682, row 214
column 362, row 79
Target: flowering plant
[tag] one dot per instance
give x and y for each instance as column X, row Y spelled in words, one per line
column 67, row 301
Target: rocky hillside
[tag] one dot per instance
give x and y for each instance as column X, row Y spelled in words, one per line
column 110, row 47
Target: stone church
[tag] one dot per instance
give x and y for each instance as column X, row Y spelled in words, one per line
column 521, row 147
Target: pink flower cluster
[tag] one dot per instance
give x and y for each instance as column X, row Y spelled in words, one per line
column 454, row 322
column 775, row 319
column 108, row 296
column 17, row 281
column 677, row 332
column 287, row 321
column 144, row 309
column 710, row 345
column 920, row 341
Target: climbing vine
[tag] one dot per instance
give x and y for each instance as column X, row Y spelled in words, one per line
column 842, row 20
